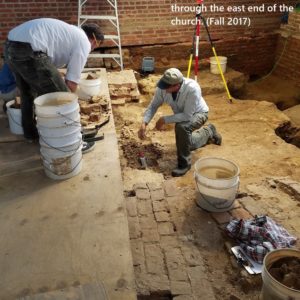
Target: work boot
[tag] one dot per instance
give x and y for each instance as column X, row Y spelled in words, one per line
column 215, row 136
column 180, row 171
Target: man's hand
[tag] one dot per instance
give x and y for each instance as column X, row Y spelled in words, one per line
column 160, row 123
column 142, row 131
column 72, row 86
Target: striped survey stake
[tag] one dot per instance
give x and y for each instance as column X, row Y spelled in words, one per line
column 196, row 66
column 195, row 44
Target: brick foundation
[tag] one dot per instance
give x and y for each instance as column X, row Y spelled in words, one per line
column 288, row 50
column 247, row 55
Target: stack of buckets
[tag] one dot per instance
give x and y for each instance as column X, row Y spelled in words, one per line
column 58, row 124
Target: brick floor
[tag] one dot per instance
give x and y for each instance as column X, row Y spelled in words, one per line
column 166, row 260
column 161, row 261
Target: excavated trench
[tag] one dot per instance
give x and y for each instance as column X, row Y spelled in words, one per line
column 288, row 132
column 233, row 283
column 284, row 94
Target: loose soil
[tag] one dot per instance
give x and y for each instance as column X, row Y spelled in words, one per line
column 249, row 139
column 287, row 271
column 282, row 92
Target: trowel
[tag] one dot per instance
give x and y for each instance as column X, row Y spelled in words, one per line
column 250, row 266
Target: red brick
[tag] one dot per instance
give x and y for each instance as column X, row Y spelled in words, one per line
column 240, row 213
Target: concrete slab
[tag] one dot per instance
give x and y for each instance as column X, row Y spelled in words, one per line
column 59, row 234
column 83, row 292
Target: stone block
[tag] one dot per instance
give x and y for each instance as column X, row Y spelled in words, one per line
column 252, row 206
column 142, row 287
column 175, row 264
column 120, row 101
column 177, row 204
column 192, row 255
column 170, row 188
column 137, row 250
column 150, row 235
column 134, row 227
column 144, row 207
column 221, row 217
column 169, row 242
column 180, row 288
column 160, row 206
column 154, row 259
column 177, row 272
column 140, row 186
column 165, row 228
column 124, row 78
column 201, row 286
column 147, row 222
column 131, row 206
column 162, row 216
column 158, row 284
column 174, row 255
column 140, row 270
column 157, row 195
column 240, row 213
column 153, row 186
column 142, row 194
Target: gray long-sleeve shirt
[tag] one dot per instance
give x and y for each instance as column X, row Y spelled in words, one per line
column 189, row 101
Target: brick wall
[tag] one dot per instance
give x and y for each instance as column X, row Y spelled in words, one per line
column 288, row 50
column 148, row 22
column 248, row 55
column 15, row 12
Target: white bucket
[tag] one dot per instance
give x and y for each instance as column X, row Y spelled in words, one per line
column 55, row 132
column 62, row 167
column 14, row 118
column 55, row 104
column 62, row 140
column 217, row 180
column 66, row 150
column 273, row 289
column 90, row 87
column 58, row 123
column 67, row 128
column 69, row 118
column 214, row 69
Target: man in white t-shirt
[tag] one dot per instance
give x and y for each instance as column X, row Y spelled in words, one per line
column 190, row 113
column 35, row 49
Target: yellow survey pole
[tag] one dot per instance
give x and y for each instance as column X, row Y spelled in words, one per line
column 190, row 65
column 221, row 72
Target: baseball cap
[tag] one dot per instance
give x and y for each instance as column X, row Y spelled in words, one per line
column 171, row 77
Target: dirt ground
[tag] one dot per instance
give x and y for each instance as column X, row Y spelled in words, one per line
column 249, row 139
column 280, row 91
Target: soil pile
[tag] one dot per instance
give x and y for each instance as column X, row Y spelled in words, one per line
column 287, row 271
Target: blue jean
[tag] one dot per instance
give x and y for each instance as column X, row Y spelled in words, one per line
column 35, row 76
column 188, row 138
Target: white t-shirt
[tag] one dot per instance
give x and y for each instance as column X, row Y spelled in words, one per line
column 65, row 44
